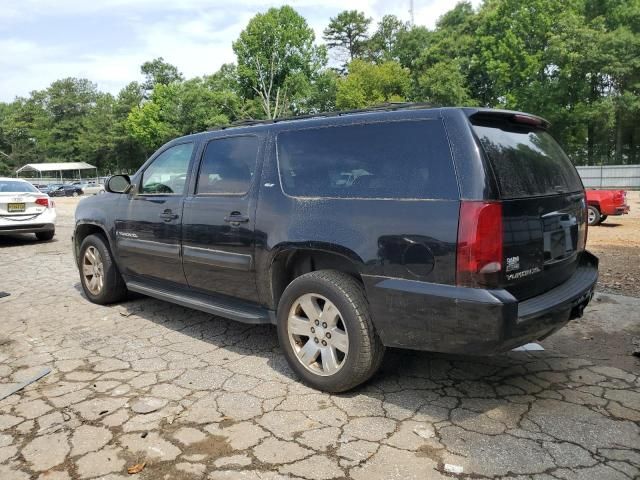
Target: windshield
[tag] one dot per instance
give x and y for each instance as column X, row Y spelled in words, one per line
column 527, row 162
column 16, row 186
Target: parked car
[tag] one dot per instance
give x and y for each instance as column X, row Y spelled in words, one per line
column 90, row 188
column 463, row 230
column 24, row 209
column 603, row 203
column 64, row 190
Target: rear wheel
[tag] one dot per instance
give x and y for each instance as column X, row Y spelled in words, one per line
column 326, row 333
column 603, row 218
column 44, row 236
column 75, row 193
column 99, row 275
column 594, row 217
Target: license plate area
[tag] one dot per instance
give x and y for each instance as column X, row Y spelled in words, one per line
column 15, row 207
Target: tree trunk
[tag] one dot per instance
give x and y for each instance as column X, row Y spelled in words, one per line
column 590, row 134
column 618, row 144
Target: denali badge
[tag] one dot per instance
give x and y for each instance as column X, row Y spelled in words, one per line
column 513, row 263
column 127, row 234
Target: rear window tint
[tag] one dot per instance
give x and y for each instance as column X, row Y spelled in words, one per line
column 405, row 159
column 527, row 163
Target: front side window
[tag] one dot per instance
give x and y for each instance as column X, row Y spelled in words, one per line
column 228, row 165
column 167, row 174
column 402, row 159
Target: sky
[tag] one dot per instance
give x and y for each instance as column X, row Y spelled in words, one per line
column 106, row 41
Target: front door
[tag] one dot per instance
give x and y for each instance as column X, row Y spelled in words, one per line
column 219, row 219
column 148, row 223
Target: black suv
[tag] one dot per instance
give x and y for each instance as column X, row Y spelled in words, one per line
column 456, row 230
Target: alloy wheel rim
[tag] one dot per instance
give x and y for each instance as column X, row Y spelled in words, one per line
column 318, row 334
column 93, row 270
column 592, row 216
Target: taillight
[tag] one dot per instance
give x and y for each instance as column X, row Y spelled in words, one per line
column 479, row 252
column 42, row 201
column 618, row 197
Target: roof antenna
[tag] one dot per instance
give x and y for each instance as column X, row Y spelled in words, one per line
column 411, row 13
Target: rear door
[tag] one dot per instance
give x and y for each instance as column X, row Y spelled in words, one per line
column 218, row 228
column 543, row 204
column 148, row 221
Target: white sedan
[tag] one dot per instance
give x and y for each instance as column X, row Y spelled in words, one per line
column 25, row 209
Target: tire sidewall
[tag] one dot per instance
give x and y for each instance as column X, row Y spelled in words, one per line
column 303, row 285
column 597, row 216
column 107, row 266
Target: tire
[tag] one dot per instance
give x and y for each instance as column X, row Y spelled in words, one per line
column 74, row 194
column 364, row 348
column 603, row 218
column 45, row 236
column 593, row 215
column 113, row 288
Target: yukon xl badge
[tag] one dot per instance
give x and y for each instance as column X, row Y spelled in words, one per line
column 513, row 263
column 523, row 273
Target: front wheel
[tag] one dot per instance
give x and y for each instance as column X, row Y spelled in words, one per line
column 99, row 275
column 326, row 333
column 593, row 215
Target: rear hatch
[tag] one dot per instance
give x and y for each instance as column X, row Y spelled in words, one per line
column 543, row 202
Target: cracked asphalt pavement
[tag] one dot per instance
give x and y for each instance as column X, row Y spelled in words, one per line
column 185, row 395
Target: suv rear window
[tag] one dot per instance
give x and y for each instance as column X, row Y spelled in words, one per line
column 527, row 162
column 403, row 159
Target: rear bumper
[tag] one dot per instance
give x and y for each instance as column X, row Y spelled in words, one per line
column 43, row 222
column 29, row 228
column 445, row 318
column 616, row 210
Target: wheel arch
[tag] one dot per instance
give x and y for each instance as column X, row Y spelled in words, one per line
column 291, row 261
column 83, row 230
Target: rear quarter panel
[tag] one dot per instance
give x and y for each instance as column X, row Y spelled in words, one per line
column 372, row 234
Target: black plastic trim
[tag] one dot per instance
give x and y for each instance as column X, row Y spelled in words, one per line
column 149, row 247
column 217, row 258
column 579, row 285
column 227, row 309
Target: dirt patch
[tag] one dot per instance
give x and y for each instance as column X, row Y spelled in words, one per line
column 214, row 446
column 617, row 243
column 431, row 452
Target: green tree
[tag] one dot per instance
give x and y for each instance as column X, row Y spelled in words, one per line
column 369, row 84
column 444, row 84
column 384, row 42
column 157, row 71
column 410, row 43
column 347, row 33
column 277, row 59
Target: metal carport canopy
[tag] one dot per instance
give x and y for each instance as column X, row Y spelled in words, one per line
column 55, row 167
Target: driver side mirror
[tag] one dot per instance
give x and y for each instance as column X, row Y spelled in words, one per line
column 118, row 184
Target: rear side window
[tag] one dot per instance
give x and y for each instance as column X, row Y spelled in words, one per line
column 228, row 166
column 527, row 162
column 405, row 159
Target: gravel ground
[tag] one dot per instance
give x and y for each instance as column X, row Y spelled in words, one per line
column 185, row 395
column 617, row 243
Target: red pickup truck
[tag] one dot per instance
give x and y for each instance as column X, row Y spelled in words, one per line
column 602, row 203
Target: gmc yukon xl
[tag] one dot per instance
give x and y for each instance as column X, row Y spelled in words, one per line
column 457, row 230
